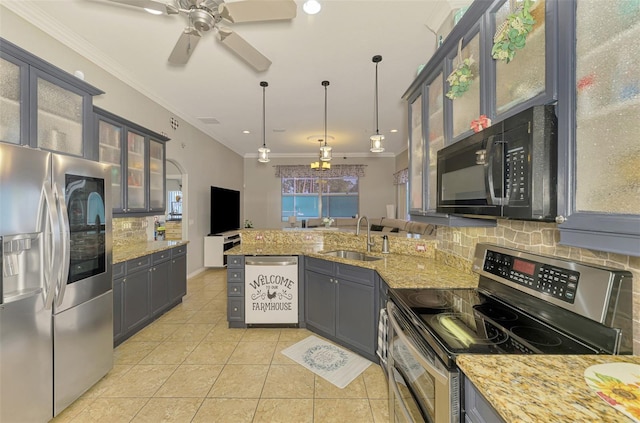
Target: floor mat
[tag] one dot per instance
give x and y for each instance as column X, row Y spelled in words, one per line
column 335, row 364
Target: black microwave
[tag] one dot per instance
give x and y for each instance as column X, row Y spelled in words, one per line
column 508, row 170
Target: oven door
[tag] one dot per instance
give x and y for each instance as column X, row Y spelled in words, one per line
column 421, row 387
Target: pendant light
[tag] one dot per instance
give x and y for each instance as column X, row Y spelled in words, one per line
column 377, row 138
column 319, row 164
column 263, row 152
column 325, row 150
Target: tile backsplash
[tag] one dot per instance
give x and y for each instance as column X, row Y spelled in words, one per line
column 129, row 230
column 540, row 238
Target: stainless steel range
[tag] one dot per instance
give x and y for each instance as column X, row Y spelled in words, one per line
column 524, row 304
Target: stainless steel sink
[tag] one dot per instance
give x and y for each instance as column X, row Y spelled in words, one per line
column 352, row 255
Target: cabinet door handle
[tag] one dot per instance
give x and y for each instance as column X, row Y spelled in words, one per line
column 235, row 309
column 124, row 280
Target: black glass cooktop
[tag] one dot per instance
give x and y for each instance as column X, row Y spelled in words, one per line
column 468, row 321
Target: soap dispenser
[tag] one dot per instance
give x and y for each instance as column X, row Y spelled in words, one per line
column 385, row 244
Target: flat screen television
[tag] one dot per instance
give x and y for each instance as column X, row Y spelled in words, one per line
column 225, row 210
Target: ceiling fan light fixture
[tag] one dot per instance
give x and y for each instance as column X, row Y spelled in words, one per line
column 311, row 7
column 376, row 140
column 202, row 20
column 263, row 152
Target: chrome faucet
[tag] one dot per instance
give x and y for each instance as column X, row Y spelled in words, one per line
column 369, row 242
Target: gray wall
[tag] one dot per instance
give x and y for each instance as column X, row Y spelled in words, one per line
column 206, row 162
column 262, row 188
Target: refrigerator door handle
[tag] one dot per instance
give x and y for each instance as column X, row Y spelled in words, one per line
column 63, row 219
column 50, row 213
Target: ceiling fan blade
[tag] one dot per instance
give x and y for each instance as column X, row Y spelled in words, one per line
column 258, row 10
column 158, row 5
column 243, row 49
column 184, row 47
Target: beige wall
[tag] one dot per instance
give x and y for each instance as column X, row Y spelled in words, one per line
column 262, row 188
column 402, row 160
column 206, row 162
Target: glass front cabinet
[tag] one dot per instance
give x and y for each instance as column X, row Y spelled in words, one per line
column 601, row 207
column 580, row 56
column 137, row 158
column 43, row 106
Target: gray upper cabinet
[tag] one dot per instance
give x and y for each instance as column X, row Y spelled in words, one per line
column 43, row 106
column 137, row 157
column 599, row 116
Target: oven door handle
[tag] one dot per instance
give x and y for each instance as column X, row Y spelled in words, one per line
column 436, row 373
column 398, row 395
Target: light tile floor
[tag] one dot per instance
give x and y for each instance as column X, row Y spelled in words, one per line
column 188, row 366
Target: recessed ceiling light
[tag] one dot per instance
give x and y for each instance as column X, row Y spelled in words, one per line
column 311, row 7
column 246, row 132
column 393, row 131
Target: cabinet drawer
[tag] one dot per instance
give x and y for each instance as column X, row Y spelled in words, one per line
column 235, row 261
column 235, row 309
column 138, row 263
column 355, row 274
column 178, row 251
column 319, row 265
column 118, row 270
column 235, row 289
column 161, row 256
column 235, row 275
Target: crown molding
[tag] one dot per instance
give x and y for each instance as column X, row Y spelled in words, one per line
column 34, row 15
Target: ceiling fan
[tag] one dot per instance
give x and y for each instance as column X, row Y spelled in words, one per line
column 205, row 15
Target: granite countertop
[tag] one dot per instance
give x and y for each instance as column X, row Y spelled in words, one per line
column 397, row 270
column 541, row 388
column 134, row 250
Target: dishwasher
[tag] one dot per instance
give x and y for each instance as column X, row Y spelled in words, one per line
column 271, row 290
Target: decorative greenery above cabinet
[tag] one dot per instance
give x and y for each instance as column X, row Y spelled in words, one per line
column 580, row 56
column 137, row 157
column 44, row 106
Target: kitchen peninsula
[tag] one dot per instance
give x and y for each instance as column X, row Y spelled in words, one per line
column 517, row 388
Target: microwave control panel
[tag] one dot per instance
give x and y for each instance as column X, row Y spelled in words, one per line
column 516, row 174
column 551, row 280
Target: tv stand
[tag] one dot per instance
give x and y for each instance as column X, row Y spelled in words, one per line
column 215, row 246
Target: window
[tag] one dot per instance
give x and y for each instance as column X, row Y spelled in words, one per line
column 316, row 196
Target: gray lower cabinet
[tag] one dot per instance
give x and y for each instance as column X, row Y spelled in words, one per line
column 137, row 302
column 235, row 291
column 341, row 303
column 178, row 274
column 146, row 287
column 118, row 302
column 476, row 408
column 160, row 282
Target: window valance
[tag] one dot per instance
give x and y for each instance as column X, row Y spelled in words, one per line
column 302, row 171
column 401, row 177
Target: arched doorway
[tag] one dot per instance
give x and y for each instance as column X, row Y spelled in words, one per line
column 177, row 213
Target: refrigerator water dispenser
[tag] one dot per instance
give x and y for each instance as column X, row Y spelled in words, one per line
column 21, row 266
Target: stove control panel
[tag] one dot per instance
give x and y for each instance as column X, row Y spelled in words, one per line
column 551, row 280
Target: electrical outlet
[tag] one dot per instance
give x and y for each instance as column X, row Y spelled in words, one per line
column 421, row 247
column 308, row 237
column 258, row 237
column 456, row 237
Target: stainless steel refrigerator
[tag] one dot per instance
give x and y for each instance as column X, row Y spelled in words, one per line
column 56, row 307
